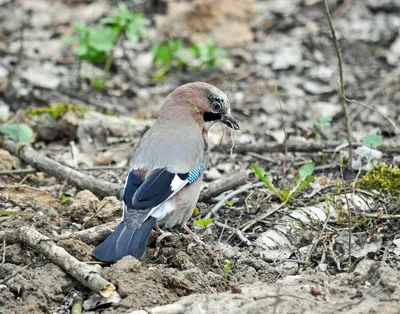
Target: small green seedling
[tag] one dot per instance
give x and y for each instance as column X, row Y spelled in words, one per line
column 96, row 45
column 324, row 121
column 168, row 56
column 92, row 44
column 196, row 211
column 20, row 132
column 209, row 55
column 304, row 178
column 227, row 270
column 372, row 140
column 173, row 55
column 133, row 24
column 203, row 222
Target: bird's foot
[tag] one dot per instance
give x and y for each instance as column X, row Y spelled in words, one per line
column 161, row 237
column 193, row 235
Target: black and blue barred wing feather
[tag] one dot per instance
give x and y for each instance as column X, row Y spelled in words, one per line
column 141, row 199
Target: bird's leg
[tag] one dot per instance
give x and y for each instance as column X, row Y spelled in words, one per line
column 161, row 237
column 192, row 234
column 157, row 229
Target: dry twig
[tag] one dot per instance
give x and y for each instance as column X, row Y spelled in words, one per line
column 76, row 178
column 223, row 184
column 82, row 272
column 92, row 235
column 222, row 202
column 235, row 230
column 250, row 223
column 341, row 82
column 380, row 216
column 303, row 147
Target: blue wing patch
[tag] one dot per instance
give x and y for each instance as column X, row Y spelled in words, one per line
column 195, row 173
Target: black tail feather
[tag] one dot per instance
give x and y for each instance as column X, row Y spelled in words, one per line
column 124, row 241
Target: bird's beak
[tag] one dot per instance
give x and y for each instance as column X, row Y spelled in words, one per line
column 230, row 121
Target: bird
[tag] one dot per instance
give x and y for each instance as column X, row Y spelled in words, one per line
column 165, row 175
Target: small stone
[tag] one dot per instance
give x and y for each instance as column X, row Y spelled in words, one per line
column 322, row 73
column 212, row 174
column 84, row 205
column 4, row 111
column 363, row 267
column 316, row 88
column 41, row 78
column 8, row 161
column 3, row 72
column 104, row 158
column 287, row 57
column 322, row 108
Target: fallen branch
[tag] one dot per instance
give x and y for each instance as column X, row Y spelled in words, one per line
column 92, row 235
column 223, row 184
column 76, row 178
column 380, row 216
column 82, row 272
column 302, row 147
column 33, row 170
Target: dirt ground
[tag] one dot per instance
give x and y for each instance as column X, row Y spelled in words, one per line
column 282, row 78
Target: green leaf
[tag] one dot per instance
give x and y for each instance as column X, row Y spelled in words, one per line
column 323, row 121
column 306, row 170
column 300, row 187
column 81, row 50
column 260, row 173
column 196, row 211
column 94, row 56
column 228, row 203
column 18, row 132
column 372, row 140
column 102, row 39
column 227, row 267
column 109, row 20
column 341, row 161
column 132, row 32
column 203, row 222
column 98, row 84
column 81, row 27
column 285, row 194
column 70, row 39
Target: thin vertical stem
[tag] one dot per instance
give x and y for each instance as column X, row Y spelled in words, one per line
column 341, row 82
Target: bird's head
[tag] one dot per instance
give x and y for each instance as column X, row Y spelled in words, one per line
column 204, row 101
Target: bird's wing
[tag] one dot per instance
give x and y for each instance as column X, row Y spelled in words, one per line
column 142, row 198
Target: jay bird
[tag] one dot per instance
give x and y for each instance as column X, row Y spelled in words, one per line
column 166, row 171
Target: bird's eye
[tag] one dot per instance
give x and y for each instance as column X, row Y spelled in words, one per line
column 216, row 105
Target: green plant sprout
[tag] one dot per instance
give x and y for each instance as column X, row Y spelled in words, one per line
column 372, row 140
column 324, row 121
column 173, row 55
column 227, row 270
column 96, row 45
column 168, row 56
column 304, row 178
column 20, row 132
column 203, row 222
column 208, row 54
